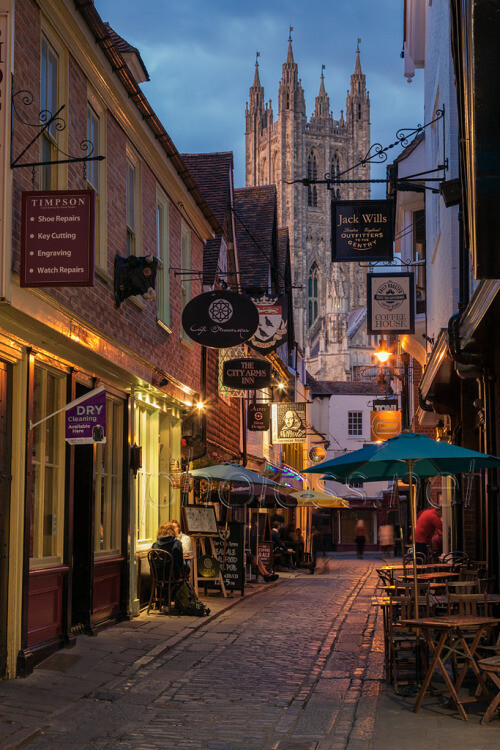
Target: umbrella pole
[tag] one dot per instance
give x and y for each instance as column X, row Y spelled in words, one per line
column 225, row 527
column 401, row 538
column 413, row 511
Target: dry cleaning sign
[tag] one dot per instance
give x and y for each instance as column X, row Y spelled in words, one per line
column 86, row 418
column 391, row 303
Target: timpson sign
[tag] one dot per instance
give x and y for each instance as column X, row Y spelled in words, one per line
column 390, row 303
column 57, row 241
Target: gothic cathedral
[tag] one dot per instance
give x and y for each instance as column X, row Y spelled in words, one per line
column 329, row 298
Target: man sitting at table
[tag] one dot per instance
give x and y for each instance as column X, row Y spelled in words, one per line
column 429, row 524
column 282, row 553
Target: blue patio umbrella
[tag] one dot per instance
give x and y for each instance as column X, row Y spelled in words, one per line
column 406, row 456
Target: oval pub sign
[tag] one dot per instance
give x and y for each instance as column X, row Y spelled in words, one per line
column 246, row 374
column 220, row 319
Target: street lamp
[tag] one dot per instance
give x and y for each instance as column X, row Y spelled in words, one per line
column 382, row 353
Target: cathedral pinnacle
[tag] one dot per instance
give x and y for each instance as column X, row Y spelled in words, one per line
column 289, row 57
column 256, row 80
column 357, row 67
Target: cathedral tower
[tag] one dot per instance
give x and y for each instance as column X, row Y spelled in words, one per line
column 326, row 295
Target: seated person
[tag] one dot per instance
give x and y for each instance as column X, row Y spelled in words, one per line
column 166, row 541
column 281, row 552
column 184, row 539
column 259, row 568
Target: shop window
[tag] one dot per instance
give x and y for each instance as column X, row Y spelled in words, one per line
column 162, row 252
column 47, row 499
column 312, row 174
column 355, row 423
column 49, row 102
column 146, row 431
column 108, row 483
column 312, row 287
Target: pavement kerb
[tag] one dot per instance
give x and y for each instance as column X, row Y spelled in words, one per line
column 25, row 735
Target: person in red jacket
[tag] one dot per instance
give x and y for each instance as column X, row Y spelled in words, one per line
column 429, row 524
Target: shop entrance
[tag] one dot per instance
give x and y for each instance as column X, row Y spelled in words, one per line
column 5, row 479
column 99, row 581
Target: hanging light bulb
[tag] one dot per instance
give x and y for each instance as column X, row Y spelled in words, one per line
column 382, row 353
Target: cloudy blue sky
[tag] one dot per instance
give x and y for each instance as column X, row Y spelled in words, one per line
column 201, row 54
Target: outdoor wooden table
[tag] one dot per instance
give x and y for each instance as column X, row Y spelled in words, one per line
column 433, row 577
column 451, row 628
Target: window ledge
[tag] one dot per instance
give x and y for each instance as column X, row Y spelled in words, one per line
column 163, row 326
column 185, row 343
column 103, row 275
column 138, row 302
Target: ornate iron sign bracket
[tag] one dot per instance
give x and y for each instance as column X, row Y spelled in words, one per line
column 45, row 120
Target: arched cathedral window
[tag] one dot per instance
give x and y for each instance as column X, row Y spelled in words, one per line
column 335, row 172
column 312, row 174
column 312, row 288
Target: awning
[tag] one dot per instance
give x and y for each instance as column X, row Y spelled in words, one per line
column 314, row 499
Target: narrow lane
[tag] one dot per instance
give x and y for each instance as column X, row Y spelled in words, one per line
column 282, row 669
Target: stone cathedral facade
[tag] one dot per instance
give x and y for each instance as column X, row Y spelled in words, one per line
column 329, row 298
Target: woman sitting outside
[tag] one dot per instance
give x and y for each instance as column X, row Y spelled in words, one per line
column 166, row 541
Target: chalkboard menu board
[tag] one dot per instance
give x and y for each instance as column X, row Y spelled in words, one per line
column 265, row 554
column 199, row 519
column 234, row 571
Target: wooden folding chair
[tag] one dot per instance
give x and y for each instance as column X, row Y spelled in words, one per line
column 491, row 668
column 161, row 565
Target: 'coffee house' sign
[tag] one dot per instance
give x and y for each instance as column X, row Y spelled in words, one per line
column 246, row 374
column 57, row 240
column 220, row 319
column 362, row 230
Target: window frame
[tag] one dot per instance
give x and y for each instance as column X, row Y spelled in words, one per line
column 100, row 149
column 163, row 255
column 109, row 473
column 133, row 231
column 53, row 177
column 312, row 296
column 186, row 265
column 355, row 423
column 40, row 434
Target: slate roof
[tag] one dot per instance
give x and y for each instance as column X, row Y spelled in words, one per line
column 256, row 231
column 354, row 320
column 345, row 388
column 213, row 174
column 125, row 48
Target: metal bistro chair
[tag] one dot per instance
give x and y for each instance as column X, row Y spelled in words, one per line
column 161, row 565
column 402, row 641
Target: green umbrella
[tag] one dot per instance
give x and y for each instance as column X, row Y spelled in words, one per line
column 408, row 455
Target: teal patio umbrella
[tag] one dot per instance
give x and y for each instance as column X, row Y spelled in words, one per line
column 408, row 455
column 234, row 474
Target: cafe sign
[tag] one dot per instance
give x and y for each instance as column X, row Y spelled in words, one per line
column 391, row 303
column 57, row 238
column 384, row 425
column 258, row 417
column 246, row 374
column 362, row 230
column 220, row 319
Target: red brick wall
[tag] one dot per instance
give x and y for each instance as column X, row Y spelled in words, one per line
column 223, row 417
column 130, row 326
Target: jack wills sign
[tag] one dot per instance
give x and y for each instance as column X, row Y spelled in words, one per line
column 391, row 303
column 57, row 238
column 246, row 374
column 220, row 319
column 362, row 230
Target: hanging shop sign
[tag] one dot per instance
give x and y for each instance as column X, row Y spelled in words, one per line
column 246, row 374
column 57, row 238
column 385, row 424
column 317, row 454
column 273, row 323
column 362, row 230
column 86, row 418
column 289, row 423
column 258, row 417
column 391, row 303
column 220, row 319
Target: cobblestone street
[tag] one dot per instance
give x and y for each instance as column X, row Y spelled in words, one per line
column 296, row 665
column 283, row 668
